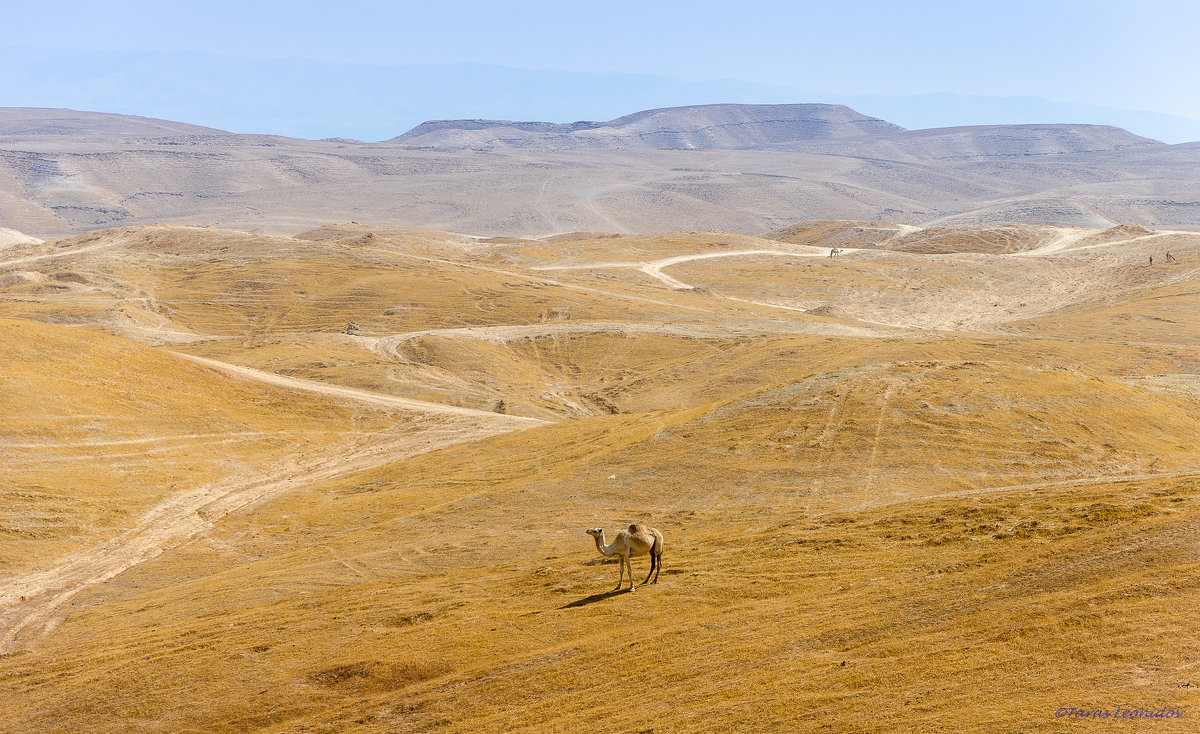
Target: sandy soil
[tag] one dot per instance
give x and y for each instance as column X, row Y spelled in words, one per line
column 12, row 237
column 103, row 245
column 1064, row 240
column 30, row 603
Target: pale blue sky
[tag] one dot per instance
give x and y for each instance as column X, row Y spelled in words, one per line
column 1138, row 55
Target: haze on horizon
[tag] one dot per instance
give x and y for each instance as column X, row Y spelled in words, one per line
column 1108, row 54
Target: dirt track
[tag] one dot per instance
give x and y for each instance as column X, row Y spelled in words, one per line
column 388, row 346
column 654, row 267
column 533, row 278
column 365, row 396
column 30, row 603
column 111, row 242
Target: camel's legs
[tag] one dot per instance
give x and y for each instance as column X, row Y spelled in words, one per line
column 621, row 581
column 629, row 560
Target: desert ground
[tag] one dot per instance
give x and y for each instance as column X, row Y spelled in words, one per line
column 946, row 478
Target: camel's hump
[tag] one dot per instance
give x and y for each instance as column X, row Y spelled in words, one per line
column 637, row 527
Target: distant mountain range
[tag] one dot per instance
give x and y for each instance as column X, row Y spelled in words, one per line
column 312, row 99
column 721, row 126
column 798, row 127
column 741, row 168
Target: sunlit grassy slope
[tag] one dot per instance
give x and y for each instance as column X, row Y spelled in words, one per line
column 457, row 591
column 959, row 527
column 96, row 429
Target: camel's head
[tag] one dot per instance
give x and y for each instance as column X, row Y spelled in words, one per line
column 595, row 532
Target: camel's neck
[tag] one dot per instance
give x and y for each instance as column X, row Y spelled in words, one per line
column 603, row 547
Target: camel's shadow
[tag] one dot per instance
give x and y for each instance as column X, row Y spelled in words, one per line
column 594, row 598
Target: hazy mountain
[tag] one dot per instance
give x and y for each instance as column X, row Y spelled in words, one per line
column 725, row 126
column 20, row 122
column 958, row 110
column 750, row 170
column 314, row 99
column 981, row 141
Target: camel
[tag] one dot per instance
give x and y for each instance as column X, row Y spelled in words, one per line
column 637, row 541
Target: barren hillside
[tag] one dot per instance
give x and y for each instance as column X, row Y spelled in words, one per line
column 984, row 141
column 36, row 122
column 726, row 167
column 340, row 482
column 706, row 126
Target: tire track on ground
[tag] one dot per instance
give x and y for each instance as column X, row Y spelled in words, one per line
column 388, row 346
column 364, row 396
column 1077, row 482
column 66, row 253
column 31, row 604
column 654, row 268
column 536, row 279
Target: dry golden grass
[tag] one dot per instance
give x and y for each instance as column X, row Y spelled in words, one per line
column 1159, row 316
column 457, row 592
column 96, row 429
column 954, row 292
column 915, row 531
column 560, row 251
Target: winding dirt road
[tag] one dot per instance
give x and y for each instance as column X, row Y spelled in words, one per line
column 364, row 396
column 654, row 268
column 31, row 604
column 534, row 278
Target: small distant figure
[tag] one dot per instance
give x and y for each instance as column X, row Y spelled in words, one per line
column 834, row 251
column 1151, row 261
column 1171, row 257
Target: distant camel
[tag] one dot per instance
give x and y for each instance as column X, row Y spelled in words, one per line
column 637, row 541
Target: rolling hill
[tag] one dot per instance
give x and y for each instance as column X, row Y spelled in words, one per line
column 340, row 481
column 739, row 168
column 705, row 126
column 984, row 142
